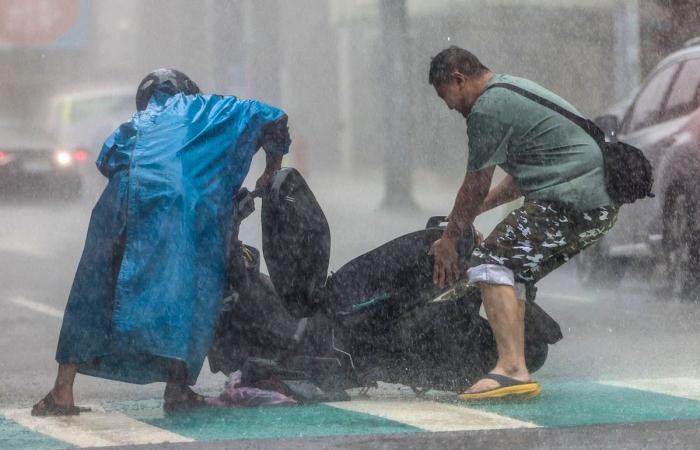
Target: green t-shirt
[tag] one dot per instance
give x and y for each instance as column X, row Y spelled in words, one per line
column 550, row 157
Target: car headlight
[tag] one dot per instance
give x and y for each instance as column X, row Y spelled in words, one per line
column 64, row 158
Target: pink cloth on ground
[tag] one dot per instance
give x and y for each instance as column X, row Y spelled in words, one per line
column 235, row 396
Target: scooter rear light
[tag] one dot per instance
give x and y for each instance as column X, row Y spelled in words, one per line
column 80, row 155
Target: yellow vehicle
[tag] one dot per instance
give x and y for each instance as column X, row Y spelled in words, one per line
column 81, row 119
column 85, row 117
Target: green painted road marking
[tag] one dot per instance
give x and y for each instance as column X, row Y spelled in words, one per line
column 263, row 422
column 16, row 437
column 560, row 405
column 578, row 404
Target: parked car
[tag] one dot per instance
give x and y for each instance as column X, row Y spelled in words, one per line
column 663, row 120
column 31, row 161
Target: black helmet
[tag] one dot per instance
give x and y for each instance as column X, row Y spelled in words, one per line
column 170, row 80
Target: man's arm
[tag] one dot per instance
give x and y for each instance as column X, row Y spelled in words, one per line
column 504, row 192
column 273, row 163
column 275, row 141
column 470, row 197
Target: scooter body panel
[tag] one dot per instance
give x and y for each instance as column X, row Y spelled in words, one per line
column 296, row 241
column 378, row 318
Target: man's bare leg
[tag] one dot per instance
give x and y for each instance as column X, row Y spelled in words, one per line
column 59, row 400
column 177, row 393
column 506, row 316
column 62, row 391
column 176, row 387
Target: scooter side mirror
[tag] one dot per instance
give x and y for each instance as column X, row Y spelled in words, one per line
column 610, row 124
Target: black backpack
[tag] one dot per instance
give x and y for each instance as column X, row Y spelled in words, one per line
column 628, row 173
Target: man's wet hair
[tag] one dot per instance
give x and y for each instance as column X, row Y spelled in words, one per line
column 453, row 59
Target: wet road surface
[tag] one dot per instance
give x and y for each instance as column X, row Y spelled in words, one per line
column 628, row 354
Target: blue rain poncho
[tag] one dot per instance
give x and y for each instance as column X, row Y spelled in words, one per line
column 151, row 278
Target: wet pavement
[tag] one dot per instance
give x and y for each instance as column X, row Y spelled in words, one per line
column 628, row 357
column 657, row 435
column 566, row 407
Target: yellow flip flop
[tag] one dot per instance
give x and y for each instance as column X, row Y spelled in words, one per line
column 509, row 389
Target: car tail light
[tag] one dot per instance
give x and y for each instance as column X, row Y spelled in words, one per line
column 80, row 155
column 2, row 155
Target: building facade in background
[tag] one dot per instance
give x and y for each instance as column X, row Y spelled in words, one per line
column 322, row 60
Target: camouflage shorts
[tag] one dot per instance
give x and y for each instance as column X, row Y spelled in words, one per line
column 540, row 236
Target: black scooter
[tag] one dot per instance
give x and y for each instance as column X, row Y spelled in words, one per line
column 378, row 318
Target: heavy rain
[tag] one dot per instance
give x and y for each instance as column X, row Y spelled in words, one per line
column 354, row 283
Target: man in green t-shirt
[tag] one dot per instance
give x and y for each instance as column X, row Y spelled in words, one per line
column 549, row 160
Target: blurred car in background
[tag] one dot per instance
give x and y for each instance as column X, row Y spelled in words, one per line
column 84, row 117
column 661, row 234
column 31, row 161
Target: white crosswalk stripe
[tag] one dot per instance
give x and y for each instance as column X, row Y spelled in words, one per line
column 565, row 298
column 24, row 247
column 677, row 387
column 432, row 416
column 37, row 307
column 95, row 429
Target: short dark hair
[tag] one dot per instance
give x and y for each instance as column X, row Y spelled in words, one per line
column 453, row 59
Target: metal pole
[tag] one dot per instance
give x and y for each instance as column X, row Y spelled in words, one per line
column 398, row 190
column 627, row 47
column 263, row 53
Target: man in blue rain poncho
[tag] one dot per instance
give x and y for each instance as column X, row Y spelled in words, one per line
column 146, row 295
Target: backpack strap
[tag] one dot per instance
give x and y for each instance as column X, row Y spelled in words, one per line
column 588, row 125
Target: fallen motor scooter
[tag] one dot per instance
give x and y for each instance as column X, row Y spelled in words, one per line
column 378, row 318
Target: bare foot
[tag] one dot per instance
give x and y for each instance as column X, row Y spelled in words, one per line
column 182, row 397
column 48, row 406
column 63, row 397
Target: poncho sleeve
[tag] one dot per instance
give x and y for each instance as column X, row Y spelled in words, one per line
column 106, row 162
column 274, row 135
